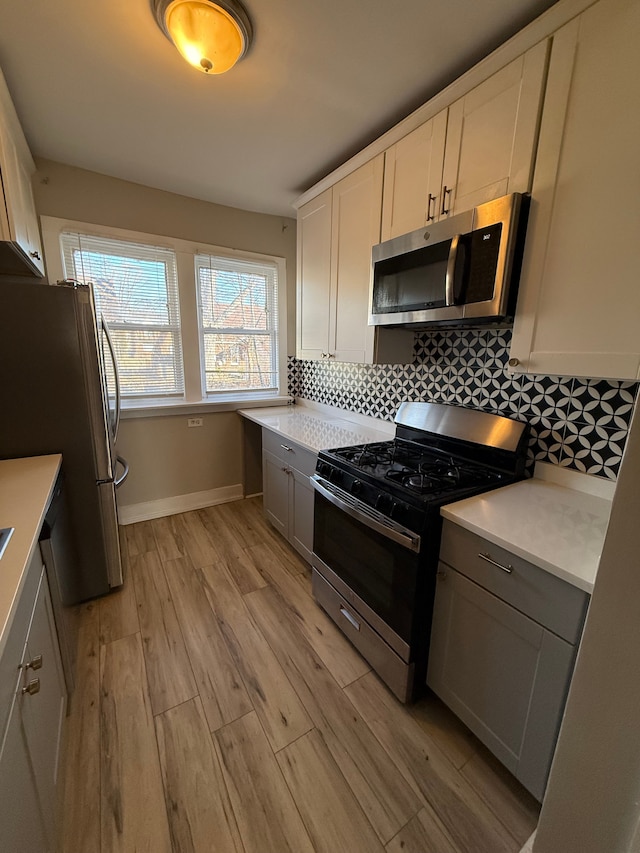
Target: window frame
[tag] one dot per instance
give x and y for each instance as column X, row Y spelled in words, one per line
column 195, row 397
column 271, row 328
column 136, row 251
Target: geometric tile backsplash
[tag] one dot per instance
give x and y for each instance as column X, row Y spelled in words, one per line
column 575, row 423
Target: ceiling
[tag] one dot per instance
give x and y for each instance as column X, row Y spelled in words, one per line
column 97, row 85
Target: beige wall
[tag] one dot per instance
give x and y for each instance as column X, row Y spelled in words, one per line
column 167, row 458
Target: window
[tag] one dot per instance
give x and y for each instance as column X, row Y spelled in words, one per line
column 136, row 290
column 238, row 320
column 191, row 324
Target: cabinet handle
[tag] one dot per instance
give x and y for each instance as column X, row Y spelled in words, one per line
column 35, row 255
column 31, row 687
column 34, row 663
column 430, row 216
column 508, row 569
column 445, row 192
column 350, row 618
column 286, row 447
column 514, row 362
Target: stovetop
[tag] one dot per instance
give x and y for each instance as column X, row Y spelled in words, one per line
column 421, row 471
column 405, row 480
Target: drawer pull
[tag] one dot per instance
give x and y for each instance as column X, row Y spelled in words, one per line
column 34, row 663
column 286, row 447
column 350, row 618
column 487, row 558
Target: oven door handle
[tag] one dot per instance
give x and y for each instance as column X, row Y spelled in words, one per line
column 366, row 515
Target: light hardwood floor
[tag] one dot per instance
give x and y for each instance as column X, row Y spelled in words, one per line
column 218, row 709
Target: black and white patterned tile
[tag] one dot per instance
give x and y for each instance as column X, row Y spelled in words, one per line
column 593, row 449
column 577, row 423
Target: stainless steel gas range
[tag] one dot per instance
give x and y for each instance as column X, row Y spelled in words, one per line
column 377, row 526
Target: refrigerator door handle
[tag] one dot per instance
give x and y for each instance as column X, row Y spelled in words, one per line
column 116, row 375
column 95, row 385
column 125, row 472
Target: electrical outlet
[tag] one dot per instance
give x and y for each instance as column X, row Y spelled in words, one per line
column 194, row 422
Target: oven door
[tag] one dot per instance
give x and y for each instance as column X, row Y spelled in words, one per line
column 371, row 561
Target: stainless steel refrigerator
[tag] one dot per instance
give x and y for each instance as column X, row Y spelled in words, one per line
column 59, row 393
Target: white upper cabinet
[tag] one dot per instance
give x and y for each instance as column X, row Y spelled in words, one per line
column 413, row 178
column 336, row 231
column 492, row 135
column 314, row 277
column 480, row 148
column 579, row 302
column 355, row 228
column 22, row 254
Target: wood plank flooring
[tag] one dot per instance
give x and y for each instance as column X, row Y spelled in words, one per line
column 217, row 708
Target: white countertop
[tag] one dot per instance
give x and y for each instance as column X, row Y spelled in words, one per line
column 320, row 429
column 26, row 487
column 557, row 528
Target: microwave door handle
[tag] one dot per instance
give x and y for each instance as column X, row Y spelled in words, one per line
column 450, row 277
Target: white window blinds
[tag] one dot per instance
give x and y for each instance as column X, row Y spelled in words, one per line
column 238, row 312
column 136, row 290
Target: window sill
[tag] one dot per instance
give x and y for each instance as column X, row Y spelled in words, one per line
column 159, row 409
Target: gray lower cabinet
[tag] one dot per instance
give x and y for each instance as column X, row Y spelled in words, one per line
column 287, row 492
column 31, row 736
column 503, row 644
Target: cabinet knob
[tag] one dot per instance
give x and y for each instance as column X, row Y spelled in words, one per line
column 514, row 362
column 31, row 687
column 331, row 355
column 35, row 255
column 34, row 663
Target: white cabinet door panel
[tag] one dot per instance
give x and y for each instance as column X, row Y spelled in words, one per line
column 491, row 135
column 314, row 276
column 413, row 178
column 357, row 205
column 579, row 299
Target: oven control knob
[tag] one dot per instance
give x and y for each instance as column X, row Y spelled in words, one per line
column 335, row 475
column 384, row 503
column 324, row 469
column 356, row 487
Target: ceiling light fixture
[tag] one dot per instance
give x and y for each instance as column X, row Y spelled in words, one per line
column 211, row 36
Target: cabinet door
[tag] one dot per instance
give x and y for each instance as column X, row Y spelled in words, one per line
column 413, row 177
column 579, row 299
column 314, row 277
column 21, row 826
column 43, row 712
column 275, row 486
column 301, row 513
column 501, row 673
column 492, row 135
column 355, row 229
column 16, row 168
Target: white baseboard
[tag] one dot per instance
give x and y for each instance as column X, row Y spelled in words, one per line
column 179, row 503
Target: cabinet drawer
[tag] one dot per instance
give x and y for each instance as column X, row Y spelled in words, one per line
column 292, row 454
column 547, row 599
column 13, row 652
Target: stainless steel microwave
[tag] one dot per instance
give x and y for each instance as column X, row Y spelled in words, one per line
column 462, row 270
